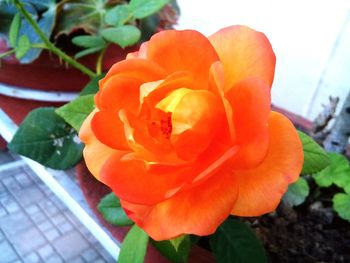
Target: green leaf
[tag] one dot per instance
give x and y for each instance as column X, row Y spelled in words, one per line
column 315, row 158
column 46, row 138
column 297, row 192
column 23, row 46
column 14, row 30
column 123, row 36
column 111, row 210
column 134, row 246
column 44, row 12
column 176, row 250
column 234, row 242
column 76, row 111
column 340, row 169
column 144, row 8
column 45, row 15
column 92, row 86
column 341, row 204
column 7, row 13
column 347, row 189
column 88, row 51
column 118, row 15
column 89, row 41
column 80, row 14
column 338, row 172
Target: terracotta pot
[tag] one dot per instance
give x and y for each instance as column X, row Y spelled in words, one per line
column 93, row 191
column 299, row 122
column 46, row 73
column 49, row 73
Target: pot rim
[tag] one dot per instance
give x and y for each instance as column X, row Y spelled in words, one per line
column 35, row 94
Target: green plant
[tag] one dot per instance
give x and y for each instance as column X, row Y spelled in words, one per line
column 337, row 173
column 331, row 169
column 31, row 26
column 315, row 160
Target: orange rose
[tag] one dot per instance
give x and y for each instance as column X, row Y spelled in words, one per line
column 183, row 132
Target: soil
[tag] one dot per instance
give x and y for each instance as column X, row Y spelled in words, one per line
column 309, row 233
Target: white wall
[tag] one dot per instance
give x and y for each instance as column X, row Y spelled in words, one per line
column 303, row 34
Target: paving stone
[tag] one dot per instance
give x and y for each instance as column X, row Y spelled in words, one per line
column 90, row 237
column 28, row 196
column 2, row 237
column 83, row 230
column 38, row 217
column 2, row 188
column 36, row 227
column 87, row 234
column 73, row 219
column 15, row 223
column 58, row 219
column 65, row 227
column 78, row 260
column 45, row 203
column 103, row 252
column 27, row 241
column 45, row 226
column 60, row 205
column 5, row 157
column 48, row 207
column 5, row 196
column 52, row 234
column 100, row 260
column 11, row 206
column 46, row 190
column 11, row 173
column 45, row 251
column 7, row 253
column 32, row 209
column 90, row 254
column 23, row 180
column 70, row 245
column 11, row 184
column 32, row 176
column 32, row 258
column 2, row 211
column 54, row 259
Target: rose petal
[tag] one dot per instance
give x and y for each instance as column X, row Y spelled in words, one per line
column 217, row 85
column 261, row 188
column 186, row 50
column 109, row 130
column 244, row 53
column 139, row 181
column 141, row 53
column 196, row 119
column 142, row 182
column 172, row 82
column 119, row 92
column 95, row 153
column 140, row 69
column 199, row 210
column 250, row 103
column 142, row 142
